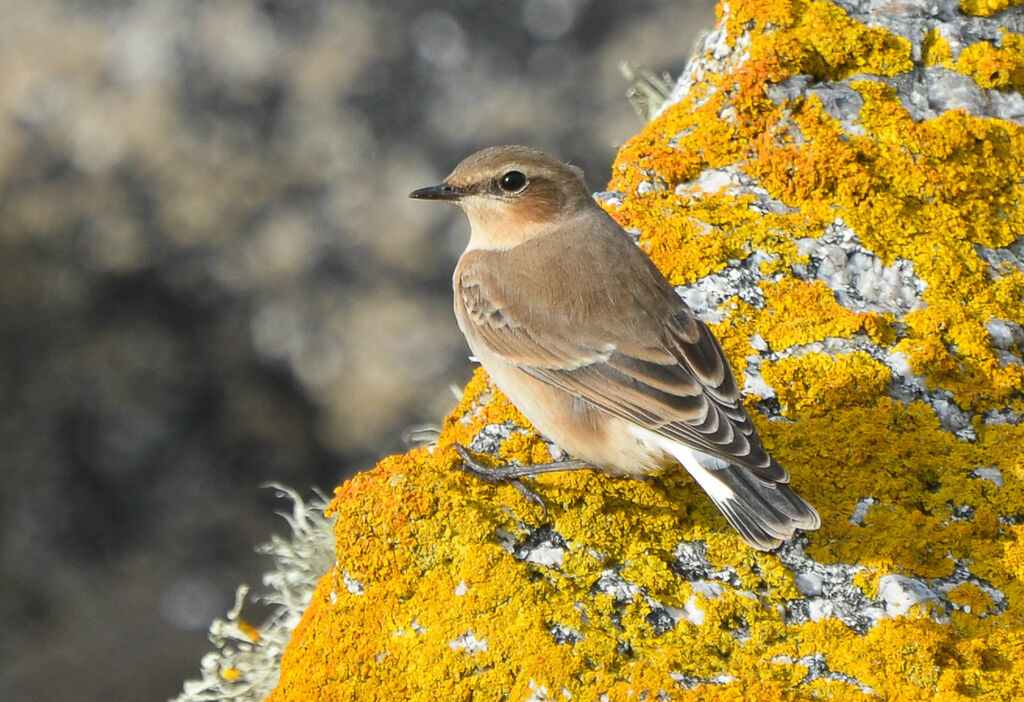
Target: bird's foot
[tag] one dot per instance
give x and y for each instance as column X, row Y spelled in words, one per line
column 513, row 473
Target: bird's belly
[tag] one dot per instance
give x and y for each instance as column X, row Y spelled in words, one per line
column 575, row 425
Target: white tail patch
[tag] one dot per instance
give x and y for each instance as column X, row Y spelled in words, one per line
column 692, row 460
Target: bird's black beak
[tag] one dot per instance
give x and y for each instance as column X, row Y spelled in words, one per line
column 437, row 192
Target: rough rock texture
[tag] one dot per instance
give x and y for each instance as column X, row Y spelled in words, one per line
column 839, row 190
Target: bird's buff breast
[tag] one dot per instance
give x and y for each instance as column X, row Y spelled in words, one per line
column 576, row 426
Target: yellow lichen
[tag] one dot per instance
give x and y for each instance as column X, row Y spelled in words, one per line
column 816, row 38
column 815, row 383
column 971, row 598
column 986, row 8
column 935, row 50
column 422, row 539
column 951, row 348
column 995, row 67
column 797, row 312
column 530, row 446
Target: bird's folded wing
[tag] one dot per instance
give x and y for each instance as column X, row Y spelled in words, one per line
column 667, row 374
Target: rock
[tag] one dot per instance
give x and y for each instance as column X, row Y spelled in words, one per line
column 808, row 186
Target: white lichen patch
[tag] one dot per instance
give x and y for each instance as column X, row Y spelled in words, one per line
column 857, row 276
column 351, row 584
column 469, row 643
column 706, row 296
column 900, row 594
column 244, row 664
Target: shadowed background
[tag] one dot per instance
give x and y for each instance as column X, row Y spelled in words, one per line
column 210, row 277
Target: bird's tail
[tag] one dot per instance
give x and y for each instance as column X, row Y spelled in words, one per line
column 764, row 513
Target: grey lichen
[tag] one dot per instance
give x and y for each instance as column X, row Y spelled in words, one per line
column 245, row 663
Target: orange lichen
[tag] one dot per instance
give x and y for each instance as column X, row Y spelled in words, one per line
column 445, row 611
column 249, row 630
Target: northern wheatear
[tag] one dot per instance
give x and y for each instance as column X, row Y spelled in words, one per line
column 590, row 342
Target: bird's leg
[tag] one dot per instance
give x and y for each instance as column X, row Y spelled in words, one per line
column 513, row 474
column 654, row 480
column 505, row 473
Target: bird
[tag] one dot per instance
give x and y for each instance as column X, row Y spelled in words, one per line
column 591, row 343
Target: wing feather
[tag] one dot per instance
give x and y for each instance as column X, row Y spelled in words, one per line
column 646, row 359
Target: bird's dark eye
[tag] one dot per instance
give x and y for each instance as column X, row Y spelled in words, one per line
column 512, row 182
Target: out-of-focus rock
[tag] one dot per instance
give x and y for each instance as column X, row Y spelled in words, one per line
column 210, row 278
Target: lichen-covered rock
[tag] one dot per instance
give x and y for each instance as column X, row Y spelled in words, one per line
column 839, row 190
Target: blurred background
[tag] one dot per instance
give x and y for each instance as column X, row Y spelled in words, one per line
column 210, row 278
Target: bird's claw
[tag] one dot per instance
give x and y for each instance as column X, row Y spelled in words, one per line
column 495, row 475
column 475, row 468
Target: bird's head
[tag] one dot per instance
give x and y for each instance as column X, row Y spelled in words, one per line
column 511, row 194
